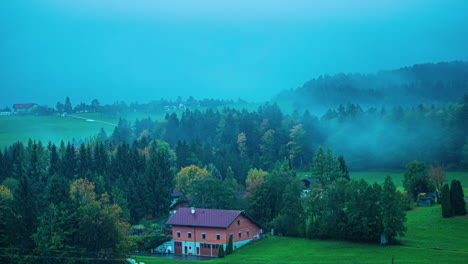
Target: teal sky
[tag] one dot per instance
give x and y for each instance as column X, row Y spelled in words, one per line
column 139, row 50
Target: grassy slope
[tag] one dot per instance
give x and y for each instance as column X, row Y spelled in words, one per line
column 55, row 128
column 427, row 234
column 379, row 177
column 46, row 128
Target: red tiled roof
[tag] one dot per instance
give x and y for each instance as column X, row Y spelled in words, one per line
column 23, row 106
column 203, row 217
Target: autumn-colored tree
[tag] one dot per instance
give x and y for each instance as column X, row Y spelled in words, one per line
column 255, row 177
column 296, row 145
column 437, row 176
column 242, row 144
column 99, row 229
column 268, row 149
column 6, row 217
column 187, row 175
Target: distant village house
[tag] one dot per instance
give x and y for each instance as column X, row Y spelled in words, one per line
column 24, row 108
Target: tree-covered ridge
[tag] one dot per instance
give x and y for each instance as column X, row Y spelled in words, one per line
column 367, row 138
column 439, row 83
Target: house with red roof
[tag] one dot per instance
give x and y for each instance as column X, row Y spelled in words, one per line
column 202, row 231
column 24, row 108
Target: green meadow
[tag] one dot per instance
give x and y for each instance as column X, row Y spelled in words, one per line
column 429, row 239
column 56, row 128
column 52, row 128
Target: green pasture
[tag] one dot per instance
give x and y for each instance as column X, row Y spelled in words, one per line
column 55, row 128
column 429, row 239
column 52, row 128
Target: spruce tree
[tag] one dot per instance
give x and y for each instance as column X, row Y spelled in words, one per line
column 457, row 198
column 26, row 212
column 318, row 165
column 447, row 210
column 229, row 247
column 343, row 168
column 68, row 106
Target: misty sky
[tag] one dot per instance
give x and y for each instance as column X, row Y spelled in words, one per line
column 138, row 50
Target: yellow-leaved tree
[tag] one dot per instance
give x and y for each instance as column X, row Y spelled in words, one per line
column 187, row 175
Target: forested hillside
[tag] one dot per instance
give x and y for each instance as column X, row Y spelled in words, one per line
column 429, row 83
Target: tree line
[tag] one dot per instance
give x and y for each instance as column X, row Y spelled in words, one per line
column 372, row 138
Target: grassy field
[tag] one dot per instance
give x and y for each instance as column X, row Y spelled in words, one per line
column 379, row 177
column 429, row 239
column 47, row 128
column 55, row 128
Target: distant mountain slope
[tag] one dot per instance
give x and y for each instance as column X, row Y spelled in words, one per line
column 438, row 84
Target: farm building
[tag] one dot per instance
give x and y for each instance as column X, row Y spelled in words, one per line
column 179, row 200
column 203, row 231
column 24, row 108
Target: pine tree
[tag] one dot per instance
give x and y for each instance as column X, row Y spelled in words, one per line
column 457, row 198
column 343, row 168
column 159, row 179
column 446, row 203
column 69, row 167
column 318, row 166
column 68, row 106
column 54, row 161
column 25, row 210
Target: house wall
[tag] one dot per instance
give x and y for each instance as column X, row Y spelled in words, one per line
column 244, row 225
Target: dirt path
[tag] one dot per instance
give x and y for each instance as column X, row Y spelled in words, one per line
column 92, row 120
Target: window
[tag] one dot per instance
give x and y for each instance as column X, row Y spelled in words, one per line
column 203, row 236
column 238, row 222
column 247, row 233
column 239, row 234
column 189, row 234
column 218, row 237
column 178, row 233
column 231, row 235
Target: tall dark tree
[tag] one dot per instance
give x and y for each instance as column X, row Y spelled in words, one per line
column 393, row 214
column 54, row 161
column 229, row 247
column 159, row 179
column 69, row 163
column 84, row 160
column 290, row 221
column 343, row 168
column 68, row 108
column 122, row 132
column 26, row 212
column 457, row 198
column 446, row 202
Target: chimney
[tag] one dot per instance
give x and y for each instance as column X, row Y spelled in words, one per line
column 192, row 211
